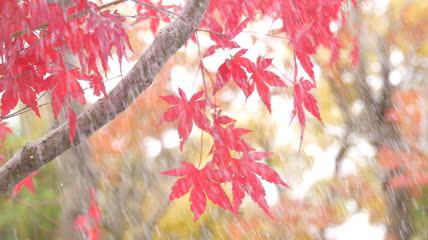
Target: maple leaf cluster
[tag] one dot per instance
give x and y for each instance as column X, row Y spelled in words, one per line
column 306, row 23
column 34, row 52
column 34, row 60
column 4, row 129
column 244, row 172
column 36, row 39
column 154, row 12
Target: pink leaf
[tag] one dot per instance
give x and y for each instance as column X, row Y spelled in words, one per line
column 27, row 183
column 4, row 129
column 72, row 123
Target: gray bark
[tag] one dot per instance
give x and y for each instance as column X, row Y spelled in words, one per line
column 36, row 154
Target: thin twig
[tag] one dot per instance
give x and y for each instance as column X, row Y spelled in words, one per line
column 340, row 99
column 266, row 34
column 156, row 8
column 201, row 65
column 342, row 151
column 209, row 31
column 385, row 101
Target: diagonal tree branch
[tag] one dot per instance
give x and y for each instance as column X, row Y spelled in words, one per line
column 386, row 100
column 36, row 154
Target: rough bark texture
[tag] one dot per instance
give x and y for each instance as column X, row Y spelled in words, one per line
column 167, row 42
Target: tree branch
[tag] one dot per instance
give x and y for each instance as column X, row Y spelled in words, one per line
column 386, row 100
column 341, row 100
column 342, row 151
column 36, row 154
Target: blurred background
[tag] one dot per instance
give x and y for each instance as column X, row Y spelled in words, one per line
column 362, row 175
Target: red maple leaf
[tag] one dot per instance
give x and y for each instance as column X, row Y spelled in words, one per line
column 228, row 137
column 4, row 130
column 15, row 89
column 224, row 40
column 96, row 82
column 153, row 14
column 108, row 32
column 234, row 69
column 94, row 211
column 263, row 78
column 302, row 97
column 243, row 174
column 66, row 87
column 306, row 62
column 72, row 123
column 221, row 156
column 188, row 112
column 354, row 54
column 81, row 221
column 204, row 183
column 27, row 182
